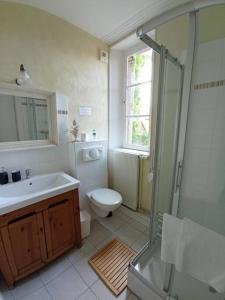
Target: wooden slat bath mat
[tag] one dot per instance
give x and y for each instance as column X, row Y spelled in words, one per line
column 111, row 264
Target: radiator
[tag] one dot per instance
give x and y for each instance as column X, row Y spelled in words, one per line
column 124, row 176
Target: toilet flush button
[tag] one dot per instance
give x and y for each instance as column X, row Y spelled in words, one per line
column 94, row 154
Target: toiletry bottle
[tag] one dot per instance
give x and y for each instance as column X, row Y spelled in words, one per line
column 16, row 175
column 4, row 178
column 94, row 133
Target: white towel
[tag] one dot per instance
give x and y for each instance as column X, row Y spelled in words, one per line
column 170, row 233
column 201, row 254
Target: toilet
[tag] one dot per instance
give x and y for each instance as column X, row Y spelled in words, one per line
column 91, row 168
column 104, row 201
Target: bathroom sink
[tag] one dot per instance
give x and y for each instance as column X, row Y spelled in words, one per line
column 26, row 192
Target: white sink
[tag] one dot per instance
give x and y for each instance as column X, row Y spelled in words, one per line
column 26, row 192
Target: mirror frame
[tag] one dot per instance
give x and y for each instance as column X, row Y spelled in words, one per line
column 14, row 90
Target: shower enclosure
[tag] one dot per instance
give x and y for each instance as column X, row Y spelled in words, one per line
column 189, row 159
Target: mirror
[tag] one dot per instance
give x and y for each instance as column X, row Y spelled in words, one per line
column 23, row 118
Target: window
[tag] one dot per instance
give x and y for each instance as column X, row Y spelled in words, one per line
column 138, row 100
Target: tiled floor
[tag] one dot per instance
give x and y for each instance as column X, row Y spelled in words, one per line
column 70, row 277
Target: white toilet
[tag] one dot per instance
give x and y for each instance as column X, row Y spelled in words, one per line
column 104, row 201
column 90, row 167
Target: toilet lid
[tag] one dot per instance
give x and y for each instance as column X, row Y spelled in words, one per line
column 106, row 196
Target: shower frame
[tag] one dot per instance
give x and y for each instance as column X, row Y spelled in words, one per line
column 153, row 243
column 164, row 55
column 190, row 9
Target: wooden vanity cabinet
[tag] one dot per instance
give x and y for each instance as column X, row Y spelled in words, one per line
column 24, row 244
column 59, row 227
column 34, row 235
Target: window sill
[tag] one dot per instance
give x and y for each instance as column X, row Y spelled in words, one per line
column 132, row 151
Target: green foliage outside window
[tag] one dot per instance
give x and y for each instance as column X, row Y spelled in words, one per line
column 140, row 134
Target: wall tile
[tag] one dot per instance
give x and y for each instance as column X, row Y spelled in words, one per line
column 203, row 185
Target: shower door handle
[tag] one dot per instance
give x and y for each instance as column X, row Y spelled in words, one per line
column 179, row 173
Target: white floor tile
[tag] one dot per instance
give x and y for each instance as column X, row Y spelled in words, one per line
column 96, row 226
column 103, row 293
column 85, row 252
column 143, row 219
column 54, row 269
column 124, row 295
column 86, row 272
column 138, row 216
column 113, row 223
column 139, row 244
column 88, row 295
column 106, row 241
column 67, row 286
column 6, row 295
column 124, row 217
column 132, row 297
column 128, row 234
column 27, row 286
column 99, row 236
column 41, row 294
column 138, row 226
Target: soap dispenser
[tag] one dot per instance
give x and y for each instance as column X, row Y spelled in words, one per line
column 94, row 134
column 16, row 175
column 4, row 178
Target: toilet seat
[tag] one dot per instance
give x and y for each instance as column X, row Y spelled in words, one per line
column 106, row 197
column 103, row 201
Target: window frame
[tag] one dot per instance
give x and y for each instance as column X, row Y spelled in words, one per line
column 134, row 50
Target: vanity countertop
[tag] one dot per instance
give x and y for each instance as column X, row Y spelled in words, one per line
column 37, row 188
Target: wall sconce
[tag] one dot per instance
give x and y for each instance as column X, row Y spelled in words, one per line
column 24, row 77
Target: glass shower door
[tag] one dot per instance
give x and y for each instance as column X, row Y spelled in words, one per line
column 168, row 106
column 202, row 196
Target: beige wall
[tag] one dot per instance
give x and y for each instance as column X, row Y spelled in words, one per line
column 174, row 35
column 59, row 57
column 211, row 23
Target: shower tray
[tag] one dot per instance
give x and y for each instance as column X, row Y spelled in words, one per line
column 147, row 272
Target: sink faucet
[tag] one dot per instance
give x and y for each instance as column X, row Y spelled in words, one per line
column 28, row 173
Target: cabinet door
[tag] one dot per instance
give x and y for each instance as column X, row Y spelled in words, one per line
column 24, row 243
column 59, row 227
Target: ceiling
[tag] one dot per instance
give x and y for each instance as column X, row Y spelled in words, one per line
column 109, row 20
